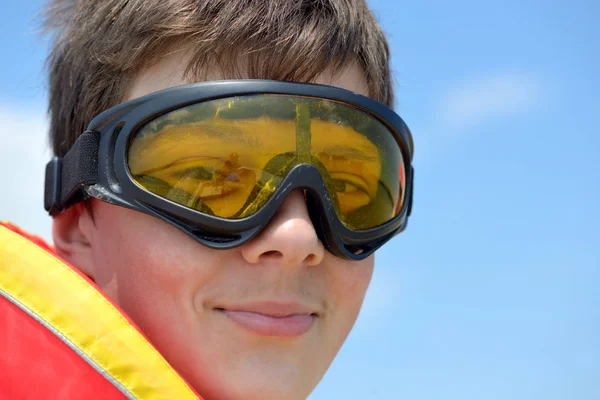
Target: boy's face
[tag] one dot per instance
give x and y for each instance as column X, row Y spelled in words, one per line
column 260, row 321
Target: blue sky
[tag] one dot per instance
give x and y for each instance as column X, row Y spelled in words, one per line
column 492, row 292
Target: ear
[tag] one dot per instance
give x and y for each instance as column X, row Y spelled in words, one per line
column 72, row 231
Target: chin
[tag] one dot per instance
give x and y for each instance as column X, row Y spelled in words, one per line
column 257, row 380
column 271, row 390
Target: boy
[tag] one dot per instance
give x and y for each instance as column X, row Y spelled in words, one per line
column 233, row 222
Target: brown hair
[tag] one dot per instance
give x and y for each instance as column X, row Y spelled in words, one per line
column 99, row 45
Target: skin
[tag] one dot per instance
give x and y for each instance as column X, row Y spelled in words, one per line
column 174, row 288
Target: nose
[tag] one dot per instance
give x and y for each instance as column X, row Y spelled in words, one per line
column 289, row 239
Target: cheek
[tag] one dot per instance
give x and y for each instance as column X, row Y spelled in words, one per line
column 137, row 255
column 347, row 284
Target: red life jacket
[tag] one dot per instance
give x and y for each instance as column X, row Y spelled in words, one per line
column 62, row 338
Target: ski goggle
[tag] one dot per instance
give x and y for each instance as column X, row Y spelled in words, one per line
column 217, row 159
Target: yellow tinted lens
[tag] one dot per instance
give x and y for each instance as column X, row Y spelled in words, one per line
column 227, row 157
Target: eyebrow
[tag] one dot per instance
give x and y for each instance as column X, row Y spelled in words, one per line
column 232, row 135
column 349, row 152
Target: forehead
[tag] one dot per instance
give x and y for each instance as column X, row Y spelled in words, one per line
column 170, row 71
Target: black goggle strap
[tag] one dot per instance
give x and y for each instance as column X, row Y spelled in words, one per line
column 66, row 176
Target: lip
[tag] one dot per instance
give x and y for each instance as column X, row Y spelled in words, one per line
column 274, row 319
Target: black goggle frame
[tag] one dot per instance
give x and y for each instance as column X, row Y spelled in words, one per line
column 96, row 166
